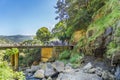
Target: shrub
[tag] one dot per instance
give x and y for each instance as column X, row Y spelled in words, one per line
column 75, row 58
column 6, row 73
column 65, row 55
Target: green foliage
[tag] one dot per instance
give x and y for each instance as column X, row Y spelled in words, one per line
column 110, row 52
column 19, row 76
column 112, row 45
column 109, row 15
column 75, row 58
column 111, row 49
column 12, row 51
column 43, row 34
column 28, row 56
column 91, row 15
column 34, row 41
column 81, row 42
column 59, row 30
column 64, row 55
column 6, row 73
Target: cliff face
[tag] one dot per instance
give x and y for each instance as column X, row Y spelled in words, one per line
column 103, row 34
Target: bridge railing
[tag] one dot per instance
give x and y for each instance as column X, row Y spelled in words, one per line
column 32, row 45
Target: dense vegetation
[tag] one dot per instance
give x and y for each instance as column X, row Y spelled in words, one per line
column 92, row 18
column 6, row 72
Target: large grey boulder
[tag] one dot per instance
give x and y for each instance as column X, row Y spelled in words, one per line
column 59, row 66
column 78, row 76
column 49, row 70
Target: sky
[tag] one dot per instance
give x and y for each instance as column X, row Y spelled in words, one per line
column 25, row 17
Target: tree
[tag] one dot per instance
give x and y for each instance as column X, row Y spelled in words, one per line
column 12, row 51
column 43, row 34
column 59, row 31
column 76, row 14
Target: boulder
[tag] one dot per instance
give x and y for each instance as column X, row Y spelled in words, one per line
column 39, row 74
column 117, row 73
column 78, row 76
column 107, row 76
column 49, row 78
column 44, row 79
column 28, row 70
column 49, row 71
column 91, row 71
column 42, row 65
column 98, row 71
column 35, row 68
column 68, row 69
column 59, row 66
column 87, row 67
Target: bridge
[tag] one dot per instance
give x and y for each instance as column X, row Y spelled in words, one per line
column 47, row 51
column 4, row 46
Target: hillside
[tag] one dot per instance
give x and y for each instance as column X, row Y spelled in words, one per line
column 15, row 38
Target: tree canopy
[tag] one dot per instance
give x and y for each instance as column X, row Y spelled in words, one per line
column 75, row 15
column 43, row 34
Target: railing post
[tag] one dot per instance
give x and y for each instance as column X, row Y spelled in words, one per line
column 16, row 61
column 12, row 60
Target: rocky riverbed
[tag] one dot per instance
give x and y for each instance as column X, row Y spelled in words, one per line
column 59, row 71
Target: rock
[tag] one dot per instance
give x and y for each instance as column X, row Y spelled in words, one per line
column 116, row 58
column 99, row 69
column 35, row 68
column 29, row 74
column 59, row 66
column 111, row 77
column 87, row 67
column 99, row 73
column 108, row 31
column 62, row 76
column 39, row 74
column 78, row 76
column 49, row 71
column 32, row 78
column 105, row 75
column 42, row 65
column 49, row 78
column 117, row 73
column 68, row 68
column 44, row 79
column 91, row 71
column 28, row 70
